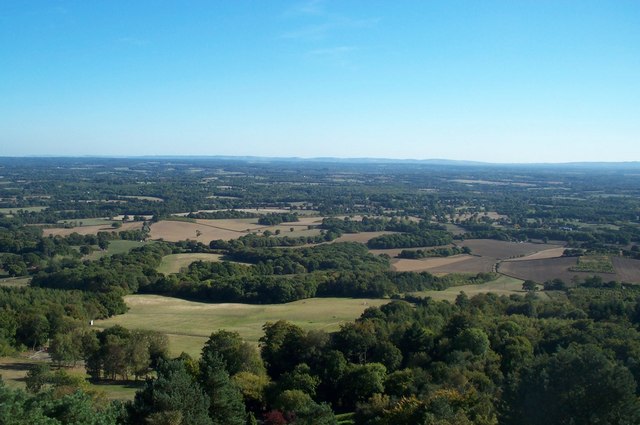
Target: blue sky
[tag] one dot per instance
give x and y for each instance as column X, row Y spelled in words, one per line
column 498, row 81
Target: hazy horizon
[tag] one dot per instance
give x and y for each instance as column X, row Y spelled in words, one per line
column 495, row 81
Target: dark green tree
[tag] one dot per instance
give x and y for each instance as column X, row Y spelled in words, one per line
column 225, row 400
column 174, row 397
column 576, row 385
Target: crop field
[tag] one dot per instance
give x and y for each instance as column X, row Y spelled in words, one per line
column 188, row 324
column 174, row 262
column 594, row 264
column 502, row 249
column 92, row 230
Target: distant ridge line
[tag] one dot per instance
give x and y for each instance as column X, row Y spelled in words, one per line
column 356, row 160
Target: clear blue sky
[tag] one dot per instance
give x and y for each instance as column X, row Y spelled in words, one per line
column 499, row 81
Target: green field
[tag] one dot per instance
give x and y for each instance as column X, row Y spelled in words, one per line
column 27, row 209
column 14, row 369
column 116, row 247
column 89, row 222
column 188, row 324
column 14, row 282
column 174, row 262
column 504, row 285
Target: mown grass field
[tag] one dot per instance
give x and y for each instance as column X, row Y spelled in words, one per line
column 188, row 324
column 504, row 285
column 174, row 262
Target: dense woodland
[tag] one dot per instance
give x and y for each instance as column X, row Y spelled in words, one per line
column 571, row 357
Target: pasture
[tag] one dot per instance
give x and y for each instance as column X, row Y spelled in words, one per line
column 115, row 247
column 188, row 324
column 173, row 263
column 504, row 285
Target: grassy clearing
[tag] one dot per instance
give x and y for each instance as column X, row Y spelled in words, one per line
column 594, row 264
column 174, row 262
column 27, row 209
column 14, row 369
column 116, row 247
column 504, row 285
column 188, row 324
column 15, row 282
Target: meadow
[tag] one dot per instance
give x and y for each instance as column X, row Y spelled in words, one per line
column 188, row 324
column 174, row 262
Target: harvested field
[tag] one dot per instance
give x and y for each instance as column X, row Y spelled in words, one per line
column 427, row 264
column 188, row 324
column 174, row 262
column 91, row 230
column 503, row 249
column 626, row 270
column 454, row 264
column 174, row 231
column 233, row 224
column 226, row 229
column 541, row 255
